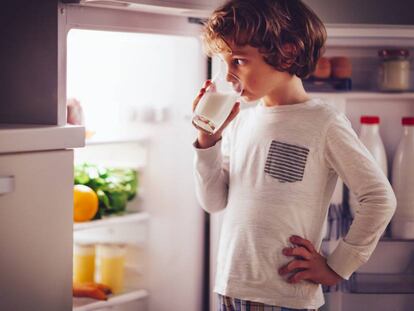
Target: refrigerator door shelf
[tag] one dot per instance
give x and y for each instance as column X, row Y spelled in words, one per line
column 370, row 283
column 390, row 257
column 378, row 302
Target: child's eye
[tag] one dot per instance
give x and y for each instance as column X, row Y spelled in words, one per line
column 238, row 61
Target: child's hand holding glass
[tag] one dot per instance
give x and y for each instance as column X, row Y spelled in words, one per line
column 215, row 107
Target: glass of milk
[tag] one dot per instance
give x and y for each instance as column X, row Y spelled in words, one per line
column 217, row 102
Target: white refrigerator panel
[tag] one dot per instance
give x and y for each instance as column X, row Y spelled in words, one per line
column 36, row 231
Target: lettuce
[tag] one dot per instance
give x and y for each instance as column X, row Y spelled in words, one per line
column 114, row 186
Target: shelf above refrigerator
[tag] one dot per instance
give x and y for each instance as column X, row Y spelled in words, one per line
column 369, row 35
column 364, row 95
column 111, row 220
column 86, row 304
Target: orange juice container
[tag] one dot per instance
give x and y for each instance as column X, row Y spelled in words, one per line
column 83, row 263
column 111, row 265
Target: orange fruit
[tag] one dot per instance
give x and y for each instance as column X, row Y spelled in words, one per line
column 85, row 203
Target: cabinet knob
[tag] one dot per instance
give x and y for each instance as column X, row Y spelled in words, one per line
column 6, row 184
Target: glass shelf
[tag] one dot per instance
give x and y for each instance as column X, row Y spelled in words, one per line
column 369, row 35
column 86, row 304
column 111, row 220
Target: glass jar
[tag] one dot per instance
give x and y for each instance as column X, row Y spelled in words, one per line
column 83, row 263
column 111, row 265
column 394, row 72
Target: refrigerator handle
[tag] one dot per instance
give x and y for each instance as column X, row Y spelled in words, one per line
column 6, row 184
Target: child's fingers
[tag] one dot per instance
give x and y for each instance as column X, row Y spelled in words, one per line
column 206, row 84
column 302, row 275
column 197, row 99
column 212, row 87
column 234, row 112
column 297, row 251
column 303, row 242
column 293, row 265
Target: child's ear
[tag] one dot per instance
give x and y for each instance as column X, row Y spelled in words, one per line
column 290, row 52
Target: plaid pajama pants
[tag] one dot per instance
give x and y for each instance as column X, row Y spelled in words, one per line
column 233, row 304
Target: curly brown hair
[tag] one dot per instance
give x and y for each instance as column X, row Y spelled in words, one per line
column 288, row 34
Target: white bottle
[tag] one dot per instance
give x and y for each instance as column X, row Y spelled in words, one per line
column 402, row 224
column 370, row 137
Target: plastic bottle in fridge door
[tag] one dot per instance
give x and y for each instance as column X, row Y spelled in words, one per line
column 370, row 137
column 402, row 224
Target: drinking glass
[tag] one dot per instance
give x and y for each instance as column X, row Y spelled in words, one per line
column 111, row 265
column 217, row 102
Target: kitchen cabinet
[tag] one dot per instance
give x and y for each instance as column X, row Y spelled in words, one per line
column 31, row 60
column 36, row 203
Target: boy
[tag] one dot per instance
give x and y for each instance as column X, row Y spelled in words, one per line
column 279, row 165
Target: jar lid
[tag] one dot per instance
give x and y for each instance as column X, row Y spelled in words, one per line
column 394, row 53
column 407, row 121
column 370, row 120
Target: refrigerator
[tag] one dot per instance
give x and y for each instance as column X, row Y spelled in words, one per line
column 135, row 67
column 135, row 77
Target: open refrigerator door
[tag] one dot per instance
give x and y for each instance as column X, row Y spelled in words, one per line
column 385, row 282
column 135, row 76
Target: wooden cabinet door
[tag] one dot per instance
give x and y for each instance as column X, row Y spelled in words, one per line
column 36, row 195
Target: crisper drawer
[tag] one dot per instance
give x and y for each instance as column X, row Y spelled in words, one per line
column 36, row 231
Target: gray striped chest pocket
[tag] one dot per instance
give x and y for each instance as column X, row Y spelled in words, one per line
column 286, row 162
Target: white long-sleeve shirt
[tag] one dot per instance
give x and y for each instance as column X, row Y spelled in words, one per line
column 275, row 174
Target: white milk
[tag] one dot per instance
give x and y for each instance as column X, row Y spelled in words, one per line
column 370, row 137
column 402, row 224
column 215, row 108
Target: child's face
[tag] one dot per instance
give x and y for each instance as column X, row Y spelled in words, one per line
column 259, row 78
